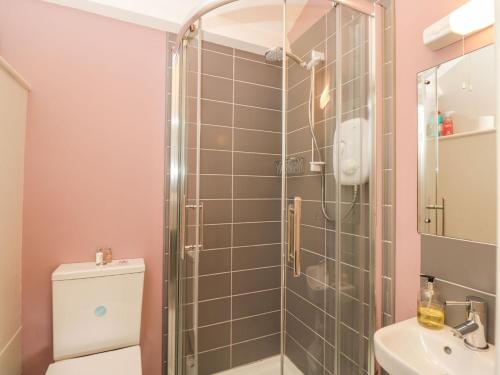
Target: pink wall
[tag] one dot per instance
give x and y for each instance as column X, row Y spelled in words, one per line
column 94, row 155
column 412, row 17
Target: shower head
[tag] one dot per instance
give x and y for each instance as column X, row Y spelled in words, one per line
column 275, row 54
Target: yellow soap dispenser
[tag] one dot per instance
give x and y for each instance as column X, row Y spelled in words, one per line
column 430, row 308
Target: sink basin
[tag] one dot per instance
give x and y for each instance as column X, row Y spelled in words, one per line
column 406, row 348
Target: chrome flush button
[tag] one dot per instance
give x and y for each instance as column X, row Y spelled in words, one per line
column 100, row 311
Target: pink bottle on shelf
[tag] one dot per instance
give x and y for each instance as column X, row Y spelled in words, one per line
column 447, row 125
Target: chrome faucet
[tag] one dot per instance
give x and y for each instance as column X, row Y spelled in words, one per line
column 473, row 330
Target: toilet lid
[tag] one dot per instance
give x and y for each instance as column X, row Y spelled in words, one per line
column 122, row 361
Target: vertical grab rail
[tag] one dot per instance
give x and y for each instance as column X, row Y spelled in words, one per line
column 199, row 225
column 297, row 218
column 289, row 221
column 294, row 219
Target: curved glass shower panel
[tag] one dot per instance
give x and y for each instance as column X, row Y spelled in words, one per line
column 265, row 264
column 354, row 165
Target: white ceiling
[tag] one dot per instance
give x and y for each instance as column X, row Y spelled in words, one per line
column 251, row 24
column 171, row 10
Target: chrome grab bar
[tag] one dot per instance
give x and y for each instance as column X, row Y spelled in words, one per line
column 294, row 219
column 289, row 220
column 297, row 218
column 184, row 227
column 202, row 226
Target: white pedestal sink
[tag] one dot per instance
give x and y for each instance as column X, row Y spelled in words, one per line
column 406, row 348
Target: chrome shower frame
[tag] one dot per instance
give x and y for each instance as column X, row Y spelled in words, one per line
column 362, row 6
column 178, row 173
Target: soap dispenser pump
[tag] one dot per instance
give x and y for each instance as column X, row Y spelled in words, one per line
column 430, row 307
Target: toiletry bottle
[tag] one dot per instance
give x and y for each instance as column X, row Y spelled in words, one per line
column 107, row 255
column 440, row 124
column 448, row 124
column 440, row 117
column 430, row 307
column 99, row 257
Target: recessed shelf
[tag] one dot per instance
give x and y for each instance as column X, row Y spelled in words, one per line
column 467, row 134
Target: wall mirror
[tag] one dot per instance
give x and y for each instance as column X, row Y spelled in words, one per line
column 457, row 148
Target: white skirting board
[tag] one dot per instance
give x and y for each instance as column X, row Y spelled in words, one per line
column 268, row 366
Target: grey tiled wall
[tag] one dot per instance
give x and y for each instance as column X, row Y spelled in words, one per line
column 239, row 266
column 462, row 268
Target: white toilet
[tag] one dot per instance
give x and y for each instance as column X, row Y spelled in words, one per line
column 97, row 318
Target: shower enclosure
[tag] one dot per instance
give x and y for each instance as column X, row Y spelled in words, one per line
column 271, row 192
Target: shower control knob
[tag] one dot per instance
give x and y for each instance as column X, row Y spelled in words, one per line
column 349, row 167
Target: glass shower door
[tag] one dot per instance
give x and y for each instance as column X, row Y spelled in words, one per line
column 329, row 128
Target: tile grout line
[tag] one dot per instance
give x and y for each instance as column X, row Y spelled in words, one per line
column 236, row 295
column 232, row 220
column 241, row 342
column 239, row 128
column 237, row 56
column 305, row 350
column 467, row 287
column 324, row 219
column 236, row 80
column 239, row 270
column 236, row 151
column 236, row 104
column 237, row 319
column 305, row 325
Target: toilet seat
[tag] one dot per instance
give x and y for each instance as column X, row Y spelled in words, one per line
column 125, row 361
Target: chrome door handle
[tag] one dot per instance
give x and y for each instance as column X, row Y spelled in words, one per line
column 289, row 220
column 294, row 218
column 297, row 219
column 183, row 227
column 201, row 225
